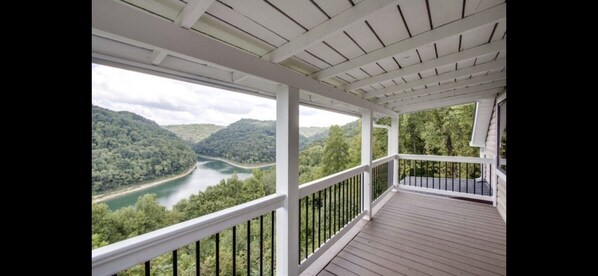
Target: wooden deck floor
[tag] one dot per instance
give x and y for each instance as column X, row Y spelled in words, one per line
column 417, row 234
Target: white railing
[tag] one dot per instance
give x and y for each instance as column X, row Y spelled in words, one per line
column 465, row 187
column 118, row 256
column 381, row 175
column 325, row 182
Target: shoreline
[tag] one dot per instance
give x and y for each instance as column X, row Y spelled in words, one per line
column 111, row 195
column 247, row 167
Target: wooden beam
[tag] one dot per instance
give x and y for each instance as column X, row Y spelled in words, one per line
column 158, row 56
column 335, row 25
column 192, row 12
column 238, row 77
column 442, row 77
column 431, row 64
column 450, row 93
column 472, row 22
column 473, row 81
column 457, row 100
column 124, row 22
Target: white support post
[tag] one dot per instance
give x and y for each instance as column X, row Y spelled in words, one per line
column 494, row 180
column 287, row 181
column 366, row 159
column 393, row 149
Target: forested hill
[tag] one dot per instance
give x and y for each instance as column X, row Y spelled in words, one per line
column 245, row 141
column 193, row 133
column 128, row 149
column 249, row 141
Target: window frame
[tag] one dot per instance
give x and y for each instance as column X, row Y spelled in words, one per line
column 499, row 134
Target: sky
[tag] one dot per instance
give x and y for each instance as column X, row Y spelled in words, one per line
column 173, row 102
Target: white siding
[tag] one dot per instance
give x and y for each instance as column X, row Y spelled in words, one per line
column 490, row 150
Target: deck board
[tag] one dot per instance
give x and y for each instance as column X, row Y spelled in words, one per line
column 417, row 234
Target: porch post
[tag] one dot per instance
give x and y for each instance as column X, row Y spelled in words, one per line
column 287, row 177
column 393, row 149
column 366, row 159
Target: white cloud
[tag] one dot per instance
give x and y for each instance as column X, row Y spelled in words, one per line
column 168, row 101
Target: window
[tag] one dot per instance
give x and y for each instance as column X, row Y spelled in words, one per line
column 502, row 136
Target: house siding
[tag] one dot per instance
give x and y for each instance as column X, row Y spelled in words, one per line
column 490, row 150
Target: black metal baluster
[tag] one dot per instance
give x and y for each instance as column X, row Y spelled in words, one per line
column 217, row 254
column 249, row 247
column 262, row 245
column 474, row 181
column 197, row 259
column 421, row 179
column 272, row 244
column 313, row 223
column 147, row 268
column 467, row 178
column 319, row 218
column 433, row 175
column 300, row 233
column 459, row 176
column 330, row 218
column 174, row 264
column 235, row 250
column 482, row 177
column 325, row 217
column 445, row 175
column 344, row 201
column 453, row 176
column 337, row 208
column 306, row 225
column 427, row 173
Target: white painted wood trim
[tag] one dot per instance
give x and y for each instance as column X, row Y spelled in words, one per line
column 330, row 242
column 431, row 64
column 442, row 77
column 454, row 100
column 501, row 97
column 328, row 28
column 366, row 159
column 443, row 192
column 381, row 126
column 459, row 159
column 404, row 97
column 325, row 182
column 393, row 149
column 123, row 23
column 501, row 175
column 118, row 256
column 287, row 180
column 486, row 90
column 382, row 160
column 158, row 56
column 192, row 12
column 471, row 22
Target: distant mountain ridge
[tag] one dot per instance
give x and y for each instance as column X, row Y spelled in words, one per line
column 251, row 141
column 193, row 133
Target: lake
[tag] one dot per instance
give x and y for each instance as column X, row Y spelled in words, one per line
column 208, row 172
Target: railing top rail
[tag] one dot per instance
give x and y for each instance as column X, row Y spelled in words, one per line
column 325, row 182
column 383, row 160
column 460, row 159
column 115, row 257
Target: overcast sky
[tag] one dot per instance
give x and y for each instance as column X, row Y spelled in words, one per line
column 170, row 102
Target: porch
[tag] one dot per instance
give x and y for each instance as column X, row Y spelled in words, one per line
column 416, row 234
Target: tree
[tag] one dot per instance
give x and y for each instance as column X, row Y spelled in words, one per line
column 336, row 155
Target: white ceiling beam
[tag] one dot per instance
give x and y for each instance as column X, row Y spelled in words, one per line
column 335, row 25
column 471, row 22
column 450, row 102
column 158, row 56
column 439, row 88
column 442, row 77
column 450, row 93
column 124, row 22
column 431, row 64
column 238, row 77
column 192, row 12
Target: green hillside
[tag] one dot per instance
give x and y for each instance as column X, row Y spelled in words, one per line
column 128, row 149
column 193, row 133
